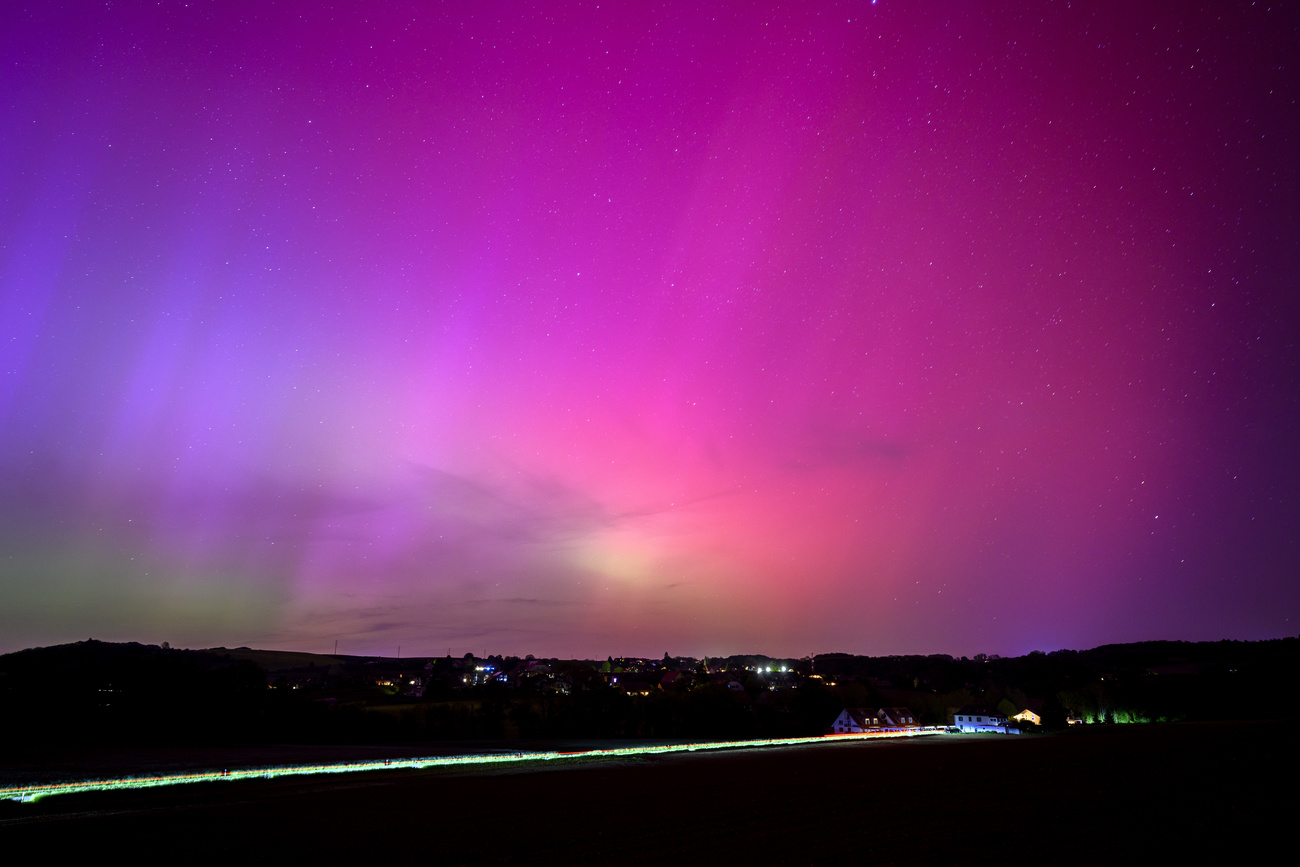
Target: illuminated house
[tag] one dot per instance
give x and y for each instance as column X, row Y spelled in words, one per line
column 1029, row 716
column 977, row 719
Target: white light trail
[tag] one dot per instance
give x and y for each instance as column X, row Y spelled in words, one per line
column 34, row 792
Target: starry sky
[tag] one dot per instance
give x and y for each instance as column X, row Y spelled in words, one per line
column 583, row 329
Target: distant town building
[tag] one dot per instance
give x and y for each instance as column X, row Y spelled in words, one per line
column 674, row 680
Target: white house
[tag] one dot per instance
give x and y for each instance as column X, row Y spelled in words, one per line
column 973, row 719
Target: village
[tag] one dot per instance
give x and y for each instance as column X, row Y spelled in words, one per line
column 93, row 691
column 760, row 682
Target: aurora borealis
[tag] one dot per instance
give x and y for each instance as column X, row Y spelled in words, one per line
column 604, row 328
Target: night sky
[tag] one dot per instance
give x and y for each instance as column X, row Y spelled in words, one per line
column 582, row 329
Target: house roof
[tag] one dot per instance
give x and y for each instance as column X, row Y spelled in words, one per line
column 898, row 714
column 863, row 717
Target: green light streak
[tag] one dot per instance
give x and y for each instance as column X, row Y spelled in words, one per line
column 32, row 793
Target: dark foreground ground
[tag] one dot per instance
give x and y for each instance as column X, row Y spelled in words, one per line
column 1121, row 794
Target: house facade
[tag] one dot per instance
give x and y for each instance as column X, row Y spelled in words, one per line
column 855, row 720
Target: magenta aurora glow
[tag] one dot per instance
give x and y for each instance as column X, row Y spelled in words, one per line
column 582, row 329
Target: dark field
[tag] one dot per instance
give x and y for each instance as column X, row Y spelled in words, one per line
column 1119, row 794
